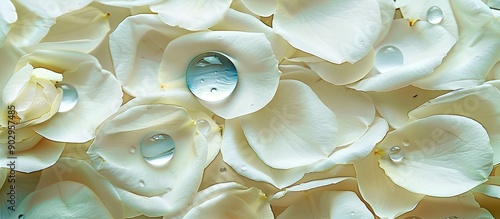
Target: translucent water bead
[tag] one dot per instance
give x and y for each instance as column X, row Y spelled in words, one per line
column 396, row 154
column 434, row 15
column 69, row 97
column 388, row 58
column 211, row 76
column 157, row 148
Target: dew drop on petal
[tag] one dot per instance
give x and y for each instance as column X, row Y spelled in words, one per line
column 406, row 143
column 388, row 58
column 412, row 217
column 20, row 216
column 69, row 97
column 203, row 126
column 222, row 169
column 396, row 154
column 132, row 149
column 141, row 183
column 211, row 76
column 434, row 15
column 244, row 168
column 453, row 217
column 353, row 213
column 157, row 148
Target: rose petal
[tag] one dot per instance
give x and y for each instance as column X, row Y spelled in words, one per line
column 387, row 199
column 8, row 16
column 53, row 8
column 327, row 204
column 251, row 54
column 295, row 119
column 263, row 8
column 440, row 149
column 314, row 27
column 41, row 155
column 191, row 14
column 422, row 45
column 137, row 47
column 129, row 4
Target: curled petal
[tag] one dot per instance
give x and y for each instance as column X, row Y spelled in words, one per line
column 251, row 54
column 326, row 28
column 8, row 16
column 427, row 154
column 264, row 8
column 191, row 14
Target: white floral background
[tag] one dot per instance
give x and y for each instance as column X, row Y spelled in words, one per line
column 342, row 109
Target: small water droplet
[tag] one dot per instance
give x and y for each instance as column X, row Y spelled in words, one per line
column 219, row 76
column 141, row 183
column 222, row 169
column 406, row 143
column 244, row 168
column 252, row 105
column 388, row 58
column 353, row 213
column 203, row 126
column 453, row 217
column 69, row 97
column 157, row 148
column 167, row 190
column 202, row 81
column 132, row 149
column 434, row 15
column 396, row 154
column 20, row 216
column 412, row 217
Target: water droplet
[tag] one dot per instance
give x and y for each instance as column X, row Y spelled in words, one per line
column 69, row 97
column 157, row 148
column 406, row 143
column 203, row 126
column 396, row 154
column 434, row 15
column 388, row 58
column 132, row 149
column 353, row 213
column 20, row 216
column 252, row 105
column 141, row 183
column 219, row 76
column 167, row 190
column 202, row 81
column 222, row 169
column 412, row 217
column 453, row 217
column 244, row 168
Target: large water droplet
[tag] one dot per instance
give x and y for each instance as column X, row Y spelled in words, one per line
column 388, row 58
column 211, row 76
column 157, row 148
column 396, row 154
column 203, row 126
column 69, row 97
column 434, row 15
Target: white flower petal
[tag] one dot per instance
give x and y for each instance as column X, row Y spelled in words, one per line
column 327, row 204
column 489, row 190
column 65, row 199
column 143, row 186
column 128, row 3
column 344, row 73
column 53, row 8
column 137, row 47
column 479, row 103
column 228, row 200
column 8, row 16
column 326, row 28
column 264, row 8
column 251, row 54
column 296, row 120
column 239, row 155
column 387, row 11
column 69, row 169
column 85, row 74
column 423, row 46
column 469, row 61
column 81, row 30
column 29, row 28
column 357, row 150
column 238, row 21
column 414, row 11
column 387, row 199
column 191, row 14
column 354, row 110
column 461, row 206
column 435, row 152
column 389, row 105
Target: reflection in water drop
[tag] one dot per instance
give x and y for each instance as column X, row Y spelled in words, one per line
column 434, row 15
column 203, row 126
column 388, row 58
column 211, row 76
column 69, row 97
column 157, row 148
column 396, row 154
